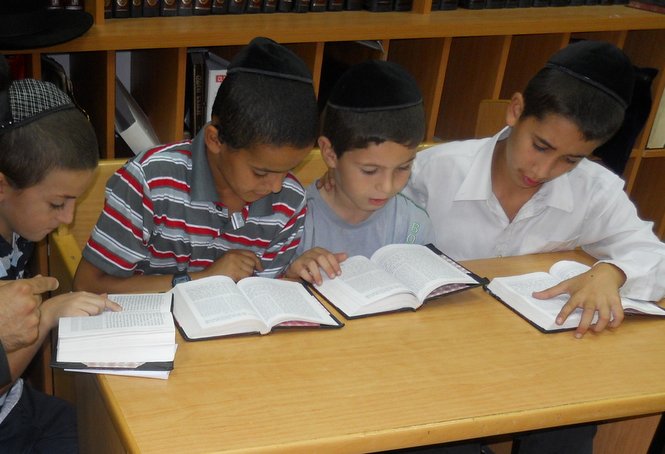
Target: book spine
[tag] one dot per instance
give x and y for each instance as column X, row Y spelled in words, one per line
column 253, row 6
column 108, row 9
column 448, row 4
column 353, row 5
column 202, row 7
column 402, row 5
column 73, row 5
column 185, row 7
column 236, row 6
column 511, row 4
column 219, row 7
column 335, row 5
column 54, row 4
column 540, row 3
column 378, row 5
column 120, row 8
column 269, row 6
column 284, row 6
column 168, row 8
column 300, row 6
column 495, row 4
column 135, row 8
column 318, row 6
column 472, row 4
column 151, row 8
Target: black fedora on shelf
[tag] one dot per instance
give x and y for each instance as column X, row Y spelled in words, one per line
column 29, row 24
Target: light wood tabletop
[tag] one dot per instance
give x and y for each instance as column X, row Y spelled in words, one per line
column 462, row 366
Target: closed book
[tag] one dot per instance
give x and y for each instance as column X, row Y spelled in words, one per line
column 378, row 5
column 195, row 90
column 151, row 8
column 135, row 8
column 121, row 8
column 656, row 7
column 202, row 7
column 540, row 3
column 168, row 8
column 269, row 6
column 576, row 2
column 108, row 9
column 253, row 6
column 335, row 5
column 318, row 5
column 219, row 7
column 54, row 4
column 236, row 6
column 524, row 3
column 402, row 5
column 436, row 5
column 472, row 4
column 185, row 7
column 300, row 6
column 512, row 3
column 284, row 6
column 131, row 123
column 353, row 5
column 559, row 2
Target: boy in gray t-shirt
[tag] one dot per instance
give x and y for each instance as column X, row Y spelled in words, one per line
column 372, row 125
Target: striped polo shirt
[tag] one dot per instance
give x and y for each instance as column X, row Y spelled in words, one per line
column 162, row 215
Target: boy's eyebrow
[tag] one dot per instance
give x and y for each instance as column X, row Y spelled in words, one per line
column 552, row 147
column 261, row 169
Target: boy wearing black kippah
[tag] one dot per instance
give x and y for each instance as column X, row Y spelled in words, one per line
column 224, row 203
column 530, row 189
column 372, row 125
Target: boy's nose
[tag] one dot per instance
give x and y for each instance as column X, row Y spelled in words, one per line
column 276, row 183
column 67, row 213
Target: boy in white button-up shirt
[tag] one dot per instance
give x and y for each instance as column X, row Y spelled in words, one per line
column 530, row 189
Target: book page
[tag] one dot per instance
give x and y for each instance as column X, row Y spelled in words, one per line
column 280, row 301
column 566, row 269
column 215, row 300
column 115, row 322
column 419, row 269
column 143, row 302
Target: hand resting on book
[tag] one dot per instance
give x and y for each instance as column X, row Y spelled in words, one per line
column 595, row 290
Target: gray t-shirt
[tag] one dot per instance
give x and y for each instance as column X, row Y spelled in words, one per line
column 399, row 221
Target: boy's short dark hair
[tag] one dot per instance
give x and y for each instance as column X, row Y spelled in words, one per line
column 374, row 102
column 589, row 82
column 41, row 130
column 266, row 98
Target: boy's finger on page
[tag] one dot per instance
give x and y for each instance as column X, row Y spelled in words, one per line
column 112, row 305
column 585, row 322
column 565, row 311
column 550, row 292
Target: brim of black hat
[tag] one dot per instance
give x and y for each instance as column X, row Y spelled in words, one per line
column 64, row 25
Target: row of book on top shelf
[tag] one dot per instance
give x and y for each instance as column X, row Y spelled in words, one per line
column 153, row 8
column 141, row 339
column 494, row 4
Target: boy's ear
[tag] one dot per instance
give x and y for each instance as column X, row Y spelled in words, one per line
column 211, row 137
column 327, row 152
column 515, row 109
column 4, row 185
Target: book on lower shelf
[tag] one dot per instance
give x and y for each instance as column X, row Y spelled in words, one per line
column 396, row 277
column 131, row 123
column 515, row 292
column 216, row 306
column 215, row 73
column 137, row 341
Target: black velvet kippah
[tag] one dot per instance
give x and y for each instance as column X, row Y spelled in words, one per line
column 375, row 85
column 599, row 64
column 268, row 58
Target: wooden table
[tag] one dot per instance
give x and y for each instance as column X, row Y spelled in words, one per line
column 461, row 367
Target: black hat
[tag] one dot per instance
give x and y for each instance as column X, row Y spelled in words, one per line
column 599, row 64
column 266, row 57
column 26, row 100
column 375, row 85
column 28, row 24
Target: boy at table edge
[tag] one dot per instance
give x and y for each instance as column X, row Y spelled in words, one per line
column 531, row 189
column 224, row 203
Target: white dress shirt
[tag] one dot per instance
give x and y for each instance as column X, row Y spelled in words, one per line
column 586, row 207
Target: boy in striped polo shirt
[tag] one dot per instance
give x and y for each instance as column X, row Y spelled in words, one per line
column 224, row 203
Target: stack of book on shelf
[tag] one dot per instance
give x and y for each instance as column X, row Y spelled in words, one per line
column 205, row 73
column 137, row 341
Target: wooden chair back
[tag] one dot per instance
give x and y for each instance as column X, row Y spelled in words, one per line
column 491, row 117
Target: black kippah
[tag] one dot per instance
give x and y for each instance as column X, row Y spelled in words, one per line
column 599, row 64
column 268, row 58
column 375, row 85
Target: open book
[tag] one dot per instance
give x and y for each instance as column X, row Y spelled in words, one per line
column 139, row 340
column 515, row 292
column 396, row 277
column 216, row 306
